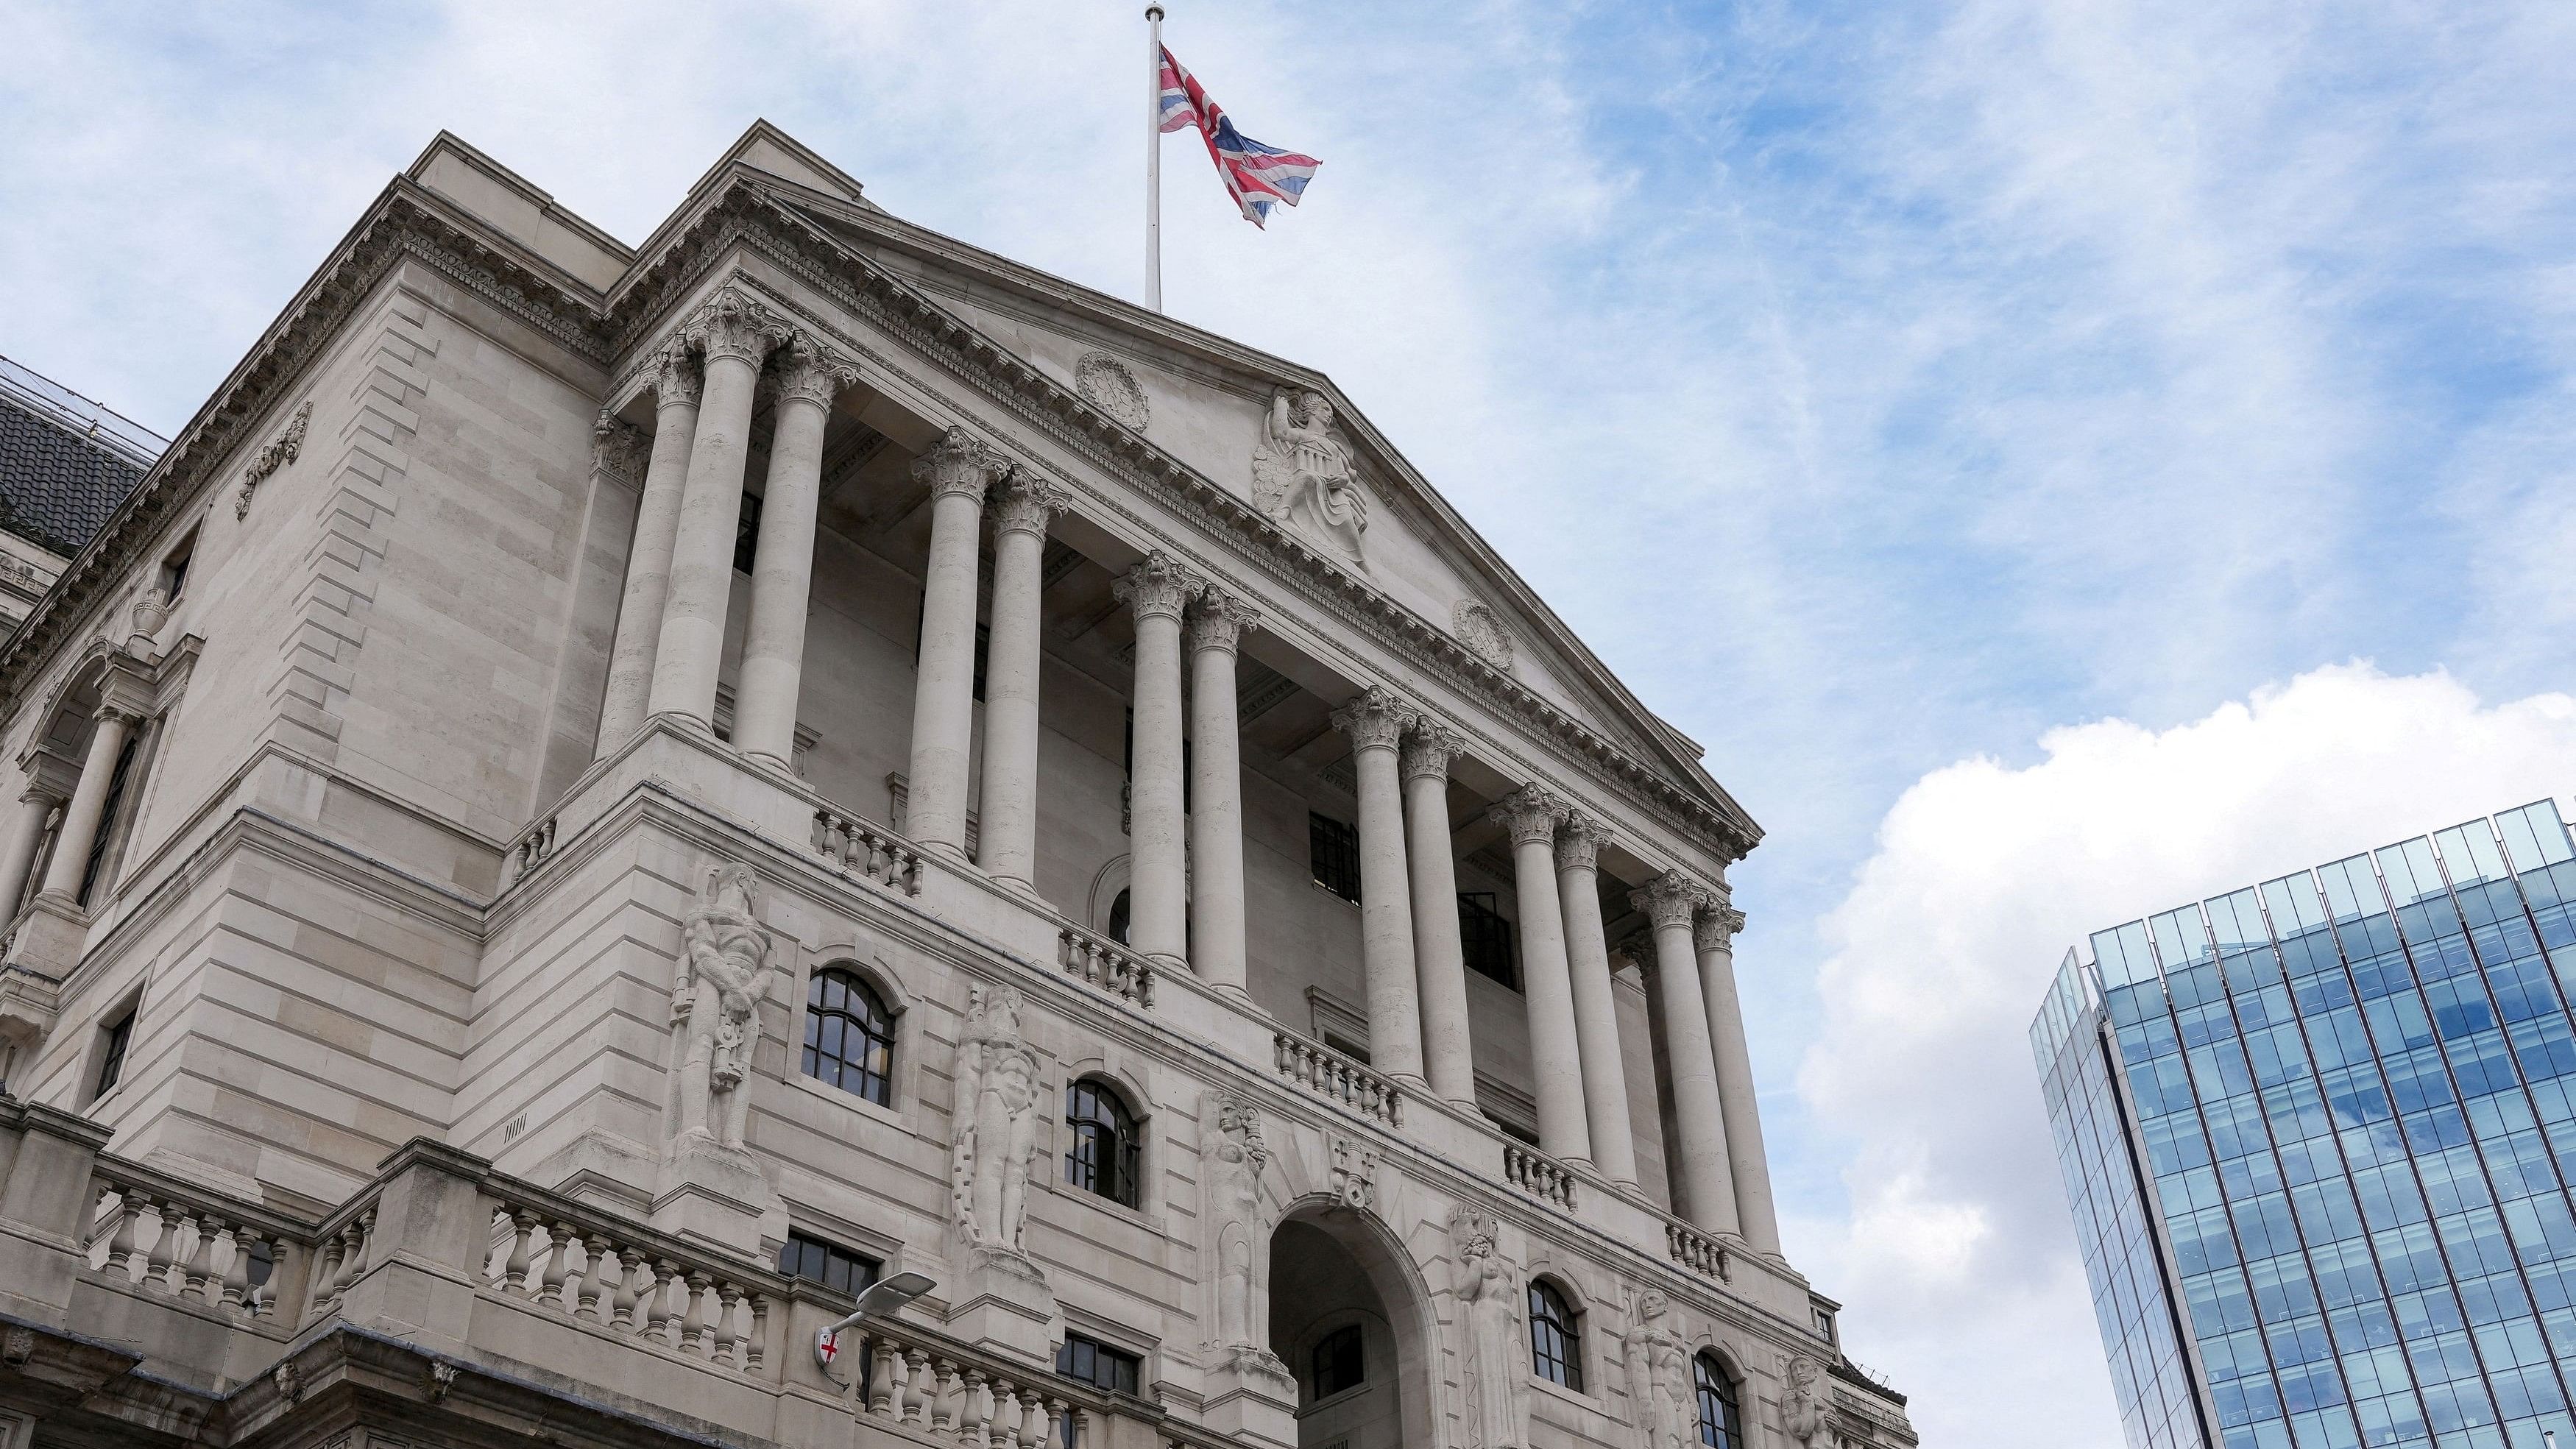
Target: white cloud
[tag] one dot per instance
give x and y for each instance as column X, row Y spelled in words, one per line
column 1958, row 1250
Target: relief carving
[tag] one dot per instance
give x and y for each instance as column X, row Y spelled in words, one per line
column 1303, row 478
column 1106, row 384
column 1802, row 1407
column 1659, row 1377
column 1497, row 1348
column 1481, row 630
column 724, row 975
column 1237, row 1156
column 1354, row 1174
column 282, row 450
column 997, row 1125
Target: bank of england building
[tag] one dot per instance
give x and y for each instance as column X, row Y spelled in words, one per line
column 600, row 800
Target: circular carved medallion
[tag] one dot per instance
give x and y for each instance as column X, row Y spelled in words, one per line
column 1106, row 384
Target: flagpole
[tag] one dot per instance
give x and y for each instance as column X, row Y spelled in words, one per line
column 1154, row 157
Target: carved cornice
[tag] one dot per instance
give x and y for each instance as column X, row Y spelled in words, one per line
column 1670, row 899
column 1157, row 586
column 1530, row 815
column 1217, row 620
column 814, row 372
column 959, row 462
column 1715, row 929
column 1429, row 749
column 1025, row 502
column 1374, row 719
column 1579, row 841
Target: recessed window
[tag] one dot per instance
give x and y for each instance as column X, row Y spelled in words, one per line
column 1106, row 1145
column 1338, row 1362
column 1089, row 1361
column 1556, row 1338
column 107, row 815
column 1335, row 1041
column 1721, row 1422
column 1487, row 938
column 849, row 1036
column 111, row 1052
column 746, row 534
column 174, row 567
column 1335, row 847
column 829, row 1264
column 1824, row 1321
column 1121, row 916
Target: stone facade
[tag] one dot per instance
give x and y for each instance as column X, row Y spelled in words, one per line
column 803, row 741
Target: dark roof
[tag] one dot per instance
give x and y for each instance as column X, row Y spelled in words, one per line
column 56, row 486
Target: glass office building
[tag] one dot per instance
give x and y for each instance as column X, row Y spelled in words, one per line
column 2317, row 1136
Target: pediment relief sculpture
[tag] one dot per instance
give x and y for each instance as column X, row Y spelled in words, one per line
column 1106, row 384
column 1304, row 478
column 1481, row 630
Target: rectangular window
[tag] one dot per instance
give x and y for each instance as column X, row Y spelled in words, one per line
column 835, row 1267
column 1087, row 1360
column 111, row 1054
column 1487, row 937
column 107, row 821
column 174, row 567
column 1336, row 850
column 746, row 534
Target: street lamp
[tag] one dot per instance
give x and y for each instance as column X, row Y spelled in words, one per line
column 876, row 1300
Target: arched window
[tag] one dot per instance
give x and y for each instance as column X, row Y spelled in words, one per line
column 1118, row 919
column 1106, row 1144
column 1556, row 1337
column 849, row 1035
column 1720, row 1423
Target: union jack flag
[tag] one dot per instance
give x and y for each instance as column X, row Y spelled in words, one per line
column 1258, row 176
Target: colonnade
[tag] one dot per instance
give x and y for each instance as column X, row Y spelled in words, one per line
column 1186, row 887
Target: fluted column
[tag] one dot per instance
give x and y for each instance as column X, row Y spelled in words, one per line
column 648, row 559
column 1714, row 937
column 1547, row 989
column 85, row 815
column 1440, row 961
column 1008, row 844
column 735, row 334
column 1215, row 626
column 782, row 566
column 1375, row 722
column 36, row 805
column 1158, row 922
column 1670, row 902
column 1596, row 1011
column 958, row 469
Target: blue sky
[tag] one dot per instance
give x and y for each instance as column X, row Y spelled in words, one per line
column 1878, row 389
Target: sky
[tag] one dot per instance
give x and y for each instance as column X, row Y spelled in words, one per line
column 2062, row 457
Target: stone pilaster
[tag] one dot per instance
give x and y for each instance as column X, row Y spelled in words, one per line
column 648, row 558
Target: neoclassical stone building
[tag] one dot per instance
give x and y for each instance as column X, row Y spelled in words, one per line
column 715, row 772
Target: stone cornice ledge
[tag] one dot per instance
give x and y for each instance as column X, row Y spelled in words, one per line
column 748, row 212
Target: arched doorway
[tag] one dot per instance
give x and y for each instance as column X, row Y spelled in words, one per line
column 1349, row 1318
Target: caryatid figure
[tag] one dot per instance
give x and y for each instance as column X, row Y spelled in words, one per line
column 725, row 971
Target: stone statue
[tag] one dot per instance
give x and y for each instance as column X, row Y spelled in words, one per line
column 1242, row 1221
column 1302, row 476
column 725, row 971
column 1489, row 1313
column 1802, row 1408
column 1659, row 1377
column 997, row 1122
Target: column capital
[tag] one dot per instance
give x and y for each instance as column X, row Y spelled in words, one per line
column 1715, row 928
column 1579, row 841
column 619, row 447
column 1374, row 719
column 1157, row 586
column 1639, row 947
column 677, row 380
column 733, row 323
column 1430, row 747
column 959, row 462
column 812, row 372
column 1531, row 814
column 1024, row 500
column 51, row 776
column 1670, row 899
column 1217, row 620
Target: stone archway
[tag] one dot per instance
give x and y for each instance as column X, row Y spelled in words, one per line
column 1335, row 1269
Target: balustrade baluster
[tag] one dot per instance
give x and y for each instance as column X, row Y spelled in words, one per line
column 590, row 1298
column 621, row 1304
column 1055, row 1415
column 918, row 1387
column 120, row 1242
column 514, row 1270
column 943, row 1404
column 756, row 1345
column 657, row 1325
column 234, row 1290
column 697, row 1334
column 199, row 1276
column 728, row 1297
column 157, row 1258
column 558, row 1238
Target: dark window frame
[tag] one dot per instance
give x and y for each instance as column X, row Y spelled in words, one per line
column 746, row 534
column 1333, row 854
column 1485, row 936
column 841, row 1004
column 1097, row 1112
column 118, row 1040
column 1338, row 1362
column 120, row 780
column 1721, row 1412
column 814, row 1260
column 1104, row 1366
column 1556, row 1336
column 173, row 576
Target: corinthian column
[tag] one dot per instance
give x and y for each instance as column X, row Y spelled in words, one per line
column 735, row 334
column 1375, row 722
column 46, row 791
column 1009, row 844
column 782, row 568
column 1439, row 958
column 648, row 559
column 1596, row 1012
column 1670, row 902
column 958, row 469
column 1158, row 921
column 1216, row 624
column 1547, row 990
column 1714, row 936
column 86, row 815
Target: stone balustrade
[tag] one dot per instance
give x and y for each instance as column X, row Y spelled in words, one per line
column 1539, row 1175
column 1697, row 1251
column 1336, row 1078
column 949, row 1394
column 1097, row 961
column 586, row 1266
column 852, row 846
column 167, row 1238
column 531, row 849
